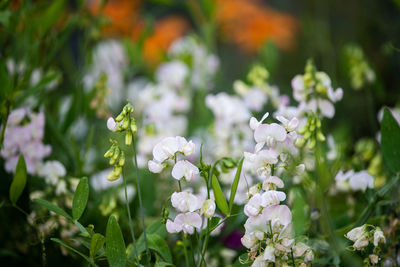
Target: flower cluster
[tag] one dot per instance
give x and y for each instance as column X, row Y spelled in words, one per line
column 362, row 236
column 124, row 122
column 360, row 72
column 117, row 160
column 23, row 135
column 269, row 234
column 190, row 207
column 314, row 90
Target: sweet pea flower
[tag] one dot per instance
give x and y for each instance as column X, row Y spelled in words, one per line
column 52, row 171
column 254, row 123
column 185, row 201
column 278, row 215
column 290, row 125
column 185, row 222
column 111, row 124
column 361, row 242
column 184, row 168
column 208, row 208
column 379, row 237
column 324, row 106
column 361, row 181
column 253, row 207
column 169, row 146
column 333, row 95
column 356, row 233
column 272, row 197
column 249, row 240
column 272, row 182
column 269, row 134
column 172, row 73
column 154, row 166
column 269, row 253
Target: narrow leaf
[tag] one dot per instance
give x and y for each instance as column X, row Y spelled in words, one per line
column 300, row 212
column 219, row 196
column 19, row 181
column 80, row 198
column 69, row 248
column 235, row 184
column 390, row 131
column 96, row 244
column 52, row 207
column 115, row 245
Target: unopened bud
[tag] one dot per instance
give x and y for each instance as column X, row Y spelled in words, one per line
column 133, row 126
column 128, row 138
column 121, row 160
column 120, row 117
column 320, row 136
column 109, row 152
column 117, row 171
column 125, row 123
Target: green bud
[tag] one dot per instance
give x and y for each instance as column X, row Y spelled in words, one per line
column 111, row 176
column 117, row 171
column 312, row 143
column 300, row 142
column 320, row 136
column 312, row 127
column 302, row 130
column 125, row 123
column 110, row 152
column 121, row 160
column 120, row 117
column 133, row 126
column 128, row 138
column 318, row 123
column 307, row 135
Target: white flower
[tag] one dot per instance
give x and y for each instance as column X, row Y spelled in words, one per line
column 111, row 124
column 167, row 148
column 184, row 168
column 272, row 182
column 361, row 181
column 290, row 125
column 324, row 106
column 272, row 197
column 299, row 249
column 299, row 93
column 184, row 221
column 172, row 73
column 309, row 256
column 278, row 215
column 269, row 134
column 208, row 208
column 249, row 240
column 185, row 201
column 361, row 242
column 379, row 237
column 269, row 253
column 335, row 96
column 259, row 262
column 254, row 123
column 255, row 99
column 52, row 170
column 356, row 233
column 154, row 166
column 253, row 207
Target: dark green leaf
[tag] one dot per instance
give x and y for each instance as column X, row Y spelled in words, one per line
column 390, row 141
column 115, row 245
column 52, row 207
column 96, row 244
column 158, row 244
column 19, row 181
column 81, row 196
column 235, row 184
column 219, row 196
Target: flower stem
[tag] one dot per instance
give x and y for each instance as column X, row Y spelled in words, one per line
column 130, row 218
column 185, row 250
column 140, row 198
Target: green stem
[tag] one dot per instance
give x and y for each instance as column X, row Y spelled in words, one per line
column 130, row 218
column 185, row 250
column 5, row 120
column 140, row 198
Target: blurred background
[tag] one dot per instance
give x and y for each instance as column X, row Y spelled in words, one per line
column 356, row 42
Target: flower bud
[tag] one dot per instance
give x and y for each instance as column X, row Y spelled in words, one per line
column 125, row 123
column 117, row 171
column 121, row 160
column 120, row 117
column 128, row 138
column 133, row 126
column 320, row 136
column 110, row 152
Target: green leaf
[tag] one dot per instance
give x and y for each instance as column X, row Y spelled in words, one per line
column 19, row 181
column 52, row 207
column 51, row 15
column 235, row 184
column 163, row 264
column 96, row 244
column 81, row 197
column 158, row 244
column 115, row 245
column 219, row 196
column 390, row 142
column 300, row 212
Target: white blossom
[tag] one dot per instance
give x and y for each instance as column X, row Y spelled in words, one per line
column 184, row 168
